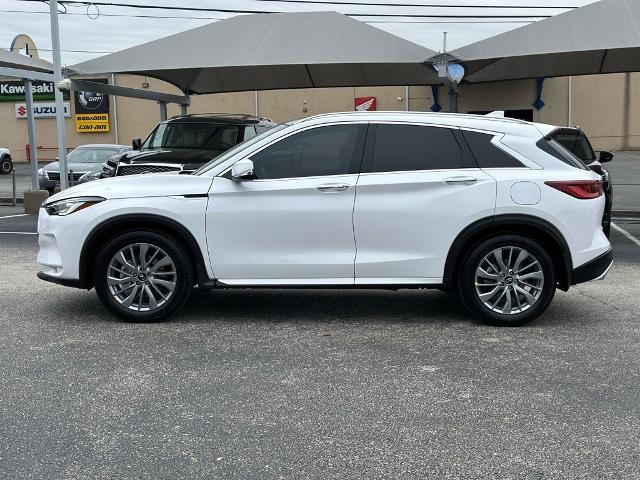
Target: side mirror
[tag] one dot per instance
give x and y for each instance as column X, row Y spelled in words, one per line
column 605, row 157
column 242, row 170
column 136, row 144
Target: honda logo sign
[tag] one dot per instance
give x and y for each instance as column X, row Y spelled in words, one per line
column 365, row 104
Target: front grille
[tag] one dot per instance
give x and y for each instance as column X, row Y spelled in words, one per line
column 55, row 176
column 138, row 169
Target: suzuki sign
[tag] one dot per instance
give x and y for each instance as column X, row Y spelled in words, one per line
column 41, row 110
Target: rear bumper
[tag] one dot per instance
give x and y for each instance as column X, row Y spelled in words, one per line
column 595, row 269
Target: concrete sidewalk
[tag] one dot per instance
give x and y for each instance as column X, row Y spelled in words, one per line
column 624, row 170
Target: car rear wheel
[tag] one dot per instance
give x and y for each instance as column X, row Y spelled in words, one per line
column 6, row 165
column 143, row 276
column 508, row 280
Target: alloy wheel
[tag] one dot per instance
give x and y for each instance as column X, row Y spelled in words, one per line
column 509, row 280
column 141, row 277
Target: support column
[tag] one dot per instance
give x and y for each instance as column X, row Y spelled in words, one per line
column 570, row 104
column 453, row 101
column 57, row 77
column 183, row 109
column 33, row 149
column 163, row 111
column 257, row 102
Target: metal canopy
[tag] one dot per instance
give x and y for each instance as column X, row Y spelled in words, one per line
column 602, row 37
column 273, row 51
column 16, row 61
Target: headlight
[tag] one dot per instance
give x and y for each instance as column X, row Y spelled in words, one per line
column 42, row 173
column 70, row 205
column 107, row 170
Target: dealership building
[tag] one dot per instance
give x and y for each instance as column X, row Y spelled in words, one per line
column 606, row 107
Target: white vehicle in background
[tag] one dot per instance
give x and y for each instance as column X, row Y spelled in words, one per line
column 494, row 209
column 6, row 162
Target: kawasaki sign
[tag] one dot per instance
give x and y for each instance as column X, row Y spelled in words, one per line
column 13, row 91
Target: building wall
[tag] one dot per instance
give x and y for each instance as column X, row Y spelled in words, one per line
column 607, row 107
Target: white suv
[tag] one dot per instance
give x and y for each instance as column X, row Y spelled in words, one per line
column 492, row 208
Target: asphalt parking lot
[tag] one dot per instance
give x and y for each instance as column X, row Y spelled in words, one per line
column 317, row 383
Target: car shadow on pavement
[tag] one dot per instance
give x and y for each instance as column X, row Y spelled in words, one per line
column 279, row 305
column 345, row 306
column 236, row 306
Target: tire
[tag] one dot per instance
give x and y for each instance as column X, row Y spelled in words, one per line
column 6, row 165
column 499, row 295
column 127, row 295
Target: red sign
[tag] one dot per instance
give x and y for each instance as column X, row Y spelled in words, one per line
column 365, row 104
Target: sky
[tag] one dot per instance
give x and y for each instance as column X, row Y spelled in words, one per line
column 83, row 36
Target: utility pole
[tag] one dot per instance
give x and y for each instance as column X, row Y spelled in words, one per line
column 57, row 77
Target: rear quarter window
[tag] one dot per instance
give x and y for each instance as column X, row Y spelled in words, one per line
column 487, row 155
column 568, row 145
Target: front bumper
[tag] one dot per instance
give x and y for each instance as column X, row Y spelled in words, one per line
column 595, row 269
column 67, row 282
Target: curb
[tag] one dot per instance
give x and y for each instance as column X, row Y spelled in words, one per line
column 9, row 201
column 625, row 213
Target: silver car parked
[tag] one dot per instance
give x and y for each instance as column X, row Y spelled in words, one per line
column 84, row 161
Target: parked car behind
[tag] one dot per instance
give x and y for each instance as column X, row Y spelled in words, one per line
column 84, row 161
column 185, row 143
column 6, row 163
column 493, row 209
column 575, row 141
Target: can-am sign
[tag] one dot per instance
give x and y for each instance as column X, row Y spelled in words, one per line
column 13, row 91
column 41, row 110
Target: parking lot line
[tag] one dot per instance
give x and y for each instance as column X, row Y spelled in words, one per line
column 626, row 234
column 19, row 233
column 13, row 216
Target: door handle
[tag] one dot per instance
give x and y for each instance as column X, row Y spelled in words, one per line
column 333, row 187
column 460, row 180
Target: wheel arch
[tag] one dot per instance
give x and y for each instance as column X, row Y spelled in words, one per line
column 130, row 222
column 537, row 228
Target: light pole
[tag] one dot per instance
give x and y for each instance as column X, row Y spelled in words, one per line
column 57, row 77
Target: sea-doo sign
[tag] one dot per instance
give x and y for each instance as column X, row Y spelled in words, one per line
column 41, row 110
column 92, row 111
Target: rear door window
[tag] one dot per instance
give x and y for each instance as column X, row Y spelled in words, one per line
column 401, row 148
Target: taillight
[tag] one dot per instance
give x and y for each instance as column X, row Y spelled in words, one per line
column 582, row 189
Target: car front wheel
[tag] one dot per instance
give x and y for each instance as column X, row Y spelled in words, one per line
column 508, row 280
column 143, row 276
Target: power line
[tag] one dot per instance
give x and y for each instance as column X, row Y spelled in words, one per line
column 118, row 15
column 397, row 22
column 421, row 5
column 227, row 10
column 469, row 21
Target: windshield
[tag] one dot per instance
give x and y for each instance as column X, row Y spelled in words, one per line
column 238, row 148
column 200, row 136
column 575, row 142
column 91, row 155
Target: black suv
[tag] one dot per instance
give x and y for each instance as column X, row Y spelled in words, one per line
column 184, row 143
